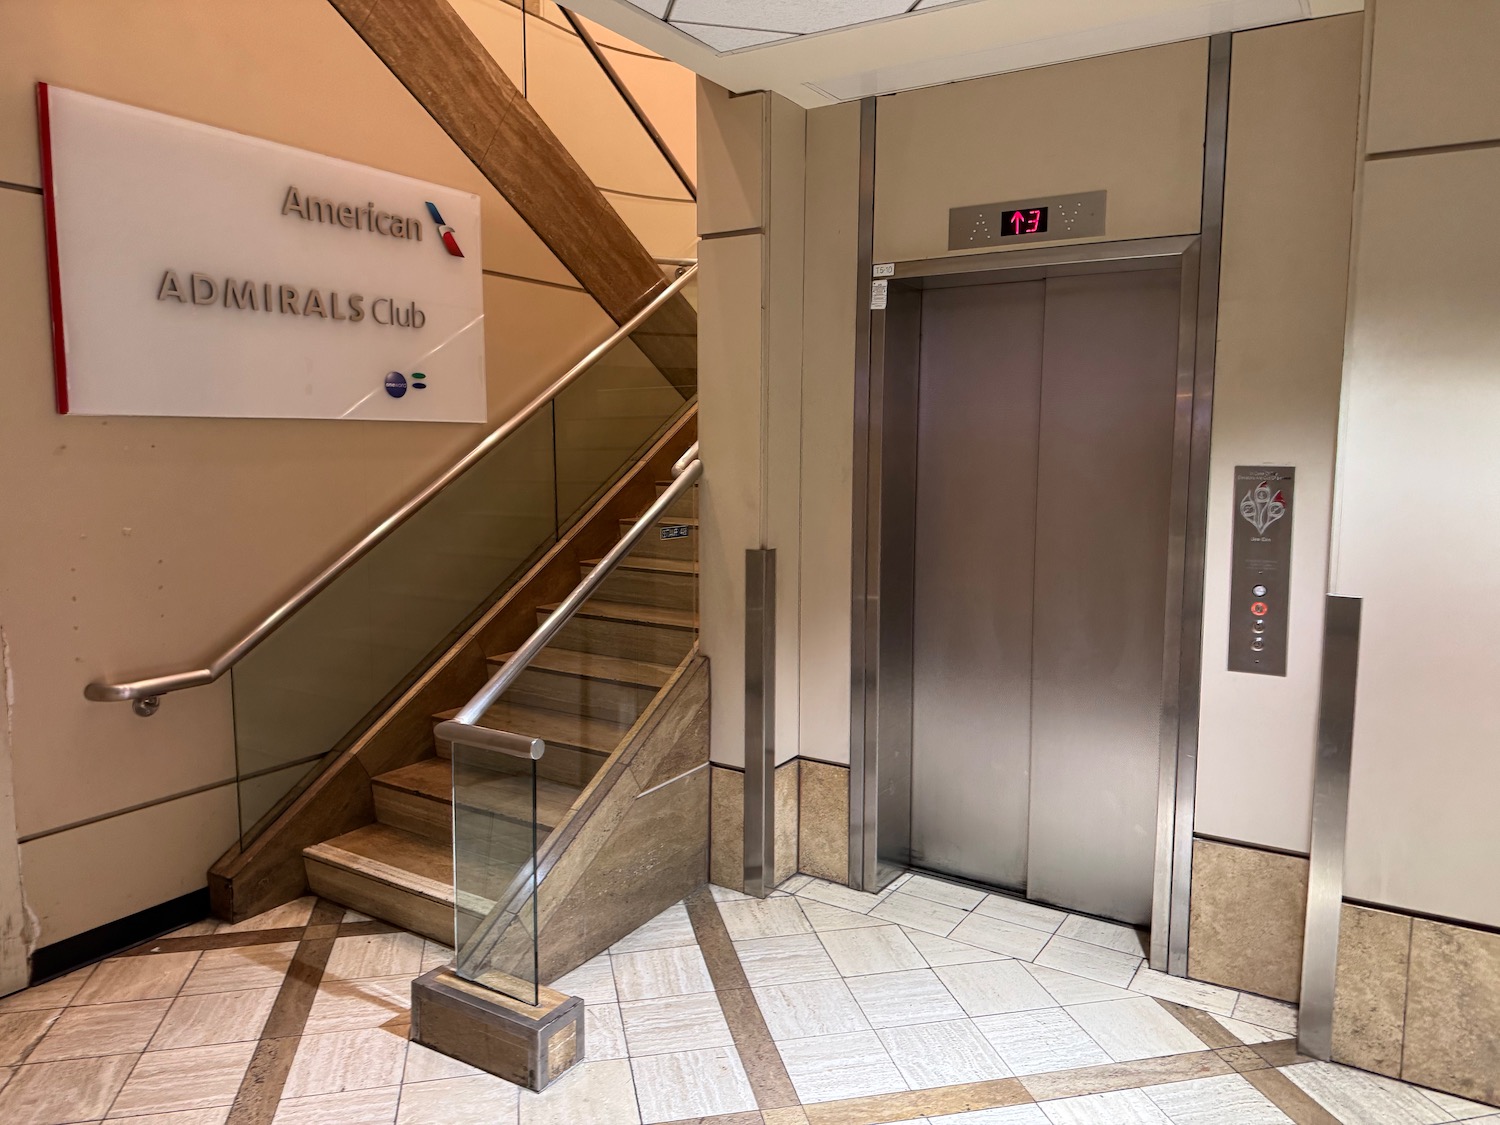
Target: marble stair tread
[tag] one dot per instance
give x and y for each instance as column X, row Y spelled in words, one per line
column 556, row 728
column 615, row 669
column 393, row 855
column 507, row 795
column 663, row 566
column 597, row 610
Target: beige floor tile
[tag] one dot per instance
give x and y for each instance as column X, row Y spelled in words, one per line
column 215, row 1115
column 832, row 1067
column 1068, row 988
column 1007, row 1115
column 355, row 1005
column 604, row 1032
column 230, row 970
column 939, row 951
column 101, row 1029
column 592, row 1091
column 1110, row 935
column 990, row 988
column 669, row 928
column 593, row 981
column 294, row 913
column 352, row 1107
column 193, row 1078
column 1040, row 1042
column 1124, row 1107
column 1180, row 990
column 796, row 1011
column 881, row 949
column 835, row 895
column 435, row 956
column 370, row 958
column 75, row 1090
column 1021, row 912
column 785, row 960
column 57, row 993
column 949, row 894
column 20, row 1032
column 148, row 977
column 897, row 999
column 674, row 1023
column 1210, row 1101
column 1134, row 1029
column 676, row 971
column 942, row 1054
column 689, row 1084
column 426, row 1065
column 480, row 1100
column 346, row 1060
column 1083, row 959
column 822, row 917
column 1000, row 935
column 755, row 918
column 202, row 1019
column 919, row 913
column 1264, row 1012
column 1359, row 1098
column 1249, row 1032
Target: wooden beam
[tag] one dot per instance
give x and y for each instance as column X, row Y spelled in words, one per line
column 432, row 52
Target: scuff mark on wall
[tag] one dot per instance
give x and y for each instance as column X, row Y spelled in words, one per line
column 18, row 925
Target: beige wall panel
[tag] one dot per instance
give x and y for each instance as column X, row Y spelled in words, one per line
column 730, row 424
column 288, row 70
column 500, row 26
column 667, row 95
column 1418, row 535
column 87, row 876
column 1294, row 112
column 731, row 159
column 147, row 544
column 783, row 409
column 1246, row 925
column 1129, row 123
column 668, row 228
column 1435, row 75
column 580, row 105
column 607, row 38
column 830, row 282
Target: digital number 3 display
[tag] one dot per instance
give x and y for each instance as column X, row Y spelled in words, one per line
column 1026, row 220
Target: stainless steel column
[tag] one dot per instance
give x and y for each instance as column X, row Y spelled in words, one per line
column 981, row 380
column 1330, row 824
column 760, row 722
column 1104, row 486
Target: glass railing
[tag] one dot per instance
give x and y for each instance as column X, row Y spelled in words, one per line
column 315, row 684
column 574, row 693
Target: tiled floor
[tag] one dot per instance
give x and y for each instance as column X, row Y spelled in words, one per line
column 819, row 1006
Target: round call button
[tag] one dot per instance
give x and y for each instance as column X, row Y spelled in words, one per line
column 1260, row 609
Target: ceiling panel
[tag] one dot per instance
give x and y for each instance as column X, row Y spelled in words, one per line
column 801, row 16
column 730, row 38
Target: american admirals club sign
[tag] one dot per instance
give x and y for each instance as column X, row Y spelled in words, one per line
column 200, row 272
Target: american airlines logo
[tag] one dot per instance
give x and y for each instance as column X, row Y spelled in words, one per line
column 445, row 231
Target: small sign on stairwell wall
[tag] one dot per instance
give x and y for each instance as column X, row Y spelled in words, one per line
column 676, row 531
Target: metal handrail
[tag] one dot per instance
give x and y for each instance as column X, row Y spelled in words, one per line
column 680, row 465
column 463, row 728
column 147, row 693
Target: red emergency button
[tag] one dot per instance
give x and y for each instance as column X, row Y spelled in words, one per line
column 1260, row 609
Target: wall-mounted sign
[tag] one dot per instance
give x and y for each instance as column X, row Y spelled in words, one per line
column 1260, row 583
column 1028, row 220
column 200, row 272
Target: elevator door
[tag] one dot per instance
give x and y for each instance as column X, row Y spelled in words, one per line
column 1044, row 479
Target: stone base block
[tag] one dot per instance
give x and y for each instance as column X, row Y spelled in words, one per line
column 529, row 1045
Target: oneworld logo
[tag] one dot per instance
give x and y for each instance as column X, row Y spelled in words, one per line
column 396, row 384
column 444, row 231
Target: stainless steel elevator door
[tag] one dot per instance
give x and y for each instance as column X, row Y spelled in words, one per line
column 1104, row 484
column 1041, row 534
column 981, row 371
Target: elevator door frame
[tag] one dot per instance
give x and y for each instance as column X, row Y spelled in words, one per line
column 881, row 727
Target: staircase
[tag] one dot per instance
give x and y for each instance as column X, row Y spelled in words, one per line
column 582, row 695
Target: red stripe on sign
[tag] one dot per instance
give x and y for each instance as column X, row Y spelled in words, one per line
column 54, row 274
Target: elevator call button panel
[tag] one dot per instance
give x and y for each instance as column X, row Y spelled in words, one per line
column 1260, row 586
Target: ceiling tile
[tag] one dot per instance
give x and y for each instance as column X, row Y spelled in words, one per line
column 729, row 38
column 786, row 15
